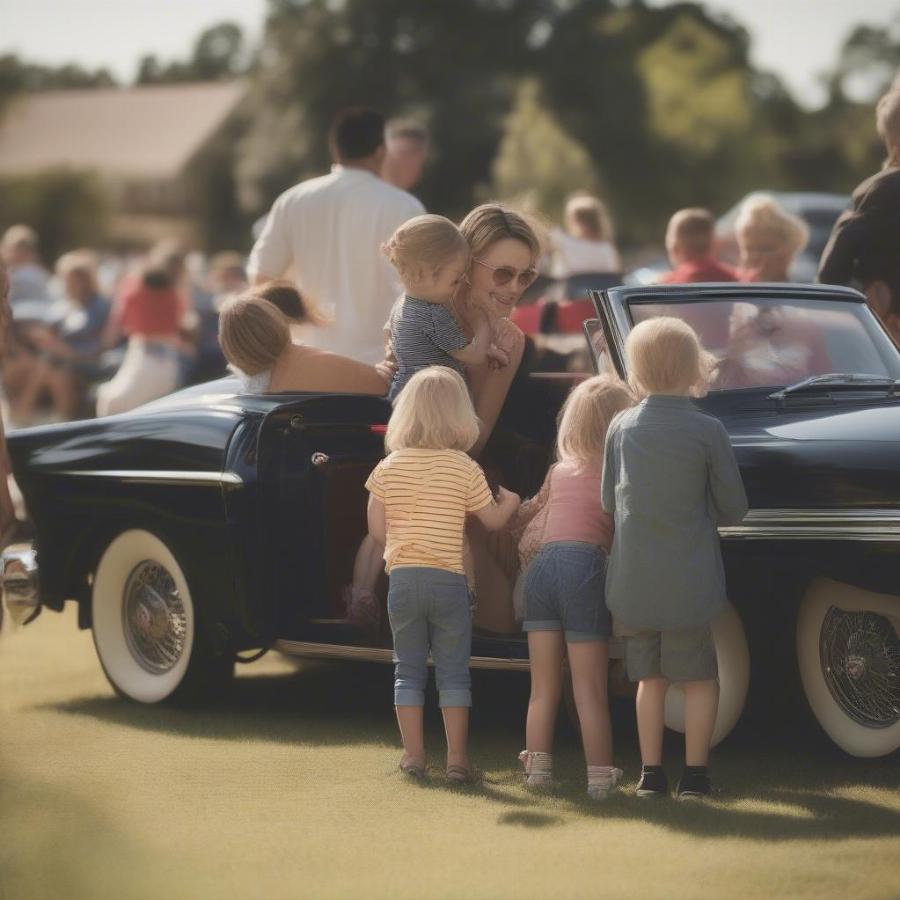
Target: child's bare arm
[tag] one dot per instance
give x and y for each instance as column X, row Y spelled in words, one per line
column 475, row 352
column 496, row 514
column 377, row 521
column 531, row 507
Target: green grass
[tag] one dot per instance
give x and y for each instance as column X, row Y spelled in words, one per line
column 290, row 789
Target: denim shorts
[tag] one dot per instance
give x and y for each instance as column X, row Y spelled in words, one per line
column 565, row 591
column 687, row 655
column 430, row 610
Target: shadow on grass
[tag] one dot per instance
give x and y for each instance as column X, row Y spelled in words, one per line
column 783, row 783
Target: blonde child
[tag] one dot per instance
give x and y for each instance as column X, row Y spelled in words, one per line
column 431, row 256
column 564, row 604
column 419, row 497
column 669, row 478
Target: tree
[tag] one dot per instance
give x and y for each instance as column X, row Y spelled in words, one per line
column 538, row 165
column 67, row 209
column 218, row 54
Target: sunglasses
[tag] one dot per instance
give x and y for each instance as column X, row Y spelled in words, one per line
column 505, row 274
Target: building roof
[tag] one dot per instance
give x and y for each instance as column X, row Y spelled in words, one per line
column 149, row 131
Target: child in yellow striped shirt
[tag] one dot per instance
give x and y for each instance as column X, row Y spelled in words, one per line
column 419, row 497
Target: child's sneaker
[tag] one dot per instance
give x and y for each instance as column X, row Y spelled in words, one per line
column 653, row 782
column 693, row 783
column 538, row 769
column 602, row 781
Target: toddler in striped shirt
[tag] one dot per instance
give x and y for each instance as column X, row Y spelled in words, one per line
column 431, row 256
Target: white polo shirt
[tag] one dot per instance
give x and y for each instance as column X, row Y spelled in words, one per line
column 329, row 230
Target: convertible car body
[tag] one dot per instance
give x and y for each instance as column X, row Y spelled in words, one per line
column 214, row 523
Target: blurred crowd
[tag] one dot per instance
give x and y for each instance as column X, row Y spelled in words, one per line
column 102, row 334
column 93, row 333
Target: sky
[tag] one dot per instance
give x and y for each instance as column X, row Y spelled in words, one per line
column 797, row 39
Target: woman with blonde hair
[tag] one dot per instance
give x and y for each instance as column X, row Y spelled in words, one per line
column 768, row 237
column 419, row 497
column 256, row 340
column 565, row 610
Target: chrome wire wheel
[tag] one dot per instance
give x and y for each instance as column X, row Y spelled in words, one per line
column 860, row 655
column 154, row 619
column 143, row 618
column 848, row 655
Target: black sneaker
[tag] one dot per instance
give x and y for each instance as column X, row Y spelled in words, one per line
column 693, row 784
column 653, row 783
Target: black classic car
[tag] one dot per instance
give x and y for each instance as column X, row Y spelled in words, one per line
column 212, row 524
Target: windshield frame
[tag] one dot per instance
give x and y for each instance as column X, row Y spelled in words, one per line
column 614, row 312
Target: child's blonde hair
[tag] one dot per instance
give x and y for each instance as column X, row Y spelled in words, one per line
column 586, row 414
column 424, row 245
column 253, row 333
column 665, row 357
column 434, row 412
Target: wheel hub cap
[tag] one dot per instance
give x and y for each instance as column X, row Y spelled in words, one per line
column 860, row 656
column 154, row 617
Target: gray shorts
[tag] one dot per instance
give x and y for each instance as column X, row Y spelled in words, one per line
column 565, row 591
column 688, row 655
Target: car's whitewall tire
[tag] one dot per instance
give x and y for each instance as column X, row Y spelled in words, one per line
column 848, row 653
column 143, row 617
column 733, row 658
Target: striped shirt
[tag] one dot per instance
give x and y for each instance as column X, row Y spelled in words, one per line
column 426, row 496
column 423, row 334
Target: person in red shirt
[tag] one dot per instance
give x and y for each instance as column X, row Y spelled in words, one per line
column 149, row 311
column 690, row 240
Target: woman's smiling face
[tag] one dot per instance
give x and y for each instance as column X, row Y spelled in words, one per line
column 505, row 252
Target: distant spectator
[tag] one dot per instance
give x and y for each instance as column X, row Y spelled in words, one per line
column 28, row 279
column 69, row 349
column 768, row 238
column 406, row 144
column 331, row 230
column 587, row 243
column 149, row 312
column 7, row 510
column 225, row 277
column 690, row 243
column 865, row 243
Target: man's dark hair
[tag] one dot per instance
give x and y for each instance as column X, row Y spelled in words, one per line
column 356, row 133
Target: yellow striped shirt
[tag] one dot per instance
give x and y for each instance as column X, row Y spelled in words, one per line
column 426, row 496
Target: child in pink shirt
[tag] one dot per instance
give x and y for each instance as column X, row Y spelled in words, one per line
column 564, row 588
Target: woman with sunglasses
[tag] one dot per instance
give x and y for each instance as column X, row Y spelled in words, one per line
column 504, row 253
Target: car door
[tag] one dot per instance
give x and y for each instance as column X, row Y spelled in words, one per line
column 315, row 454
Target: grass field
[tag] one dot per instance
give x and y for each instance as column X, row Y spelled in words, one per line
column 290, row 790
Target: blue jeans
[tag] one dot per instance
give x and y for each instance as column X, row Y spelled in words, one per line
column 564, row 591
column 430, row 609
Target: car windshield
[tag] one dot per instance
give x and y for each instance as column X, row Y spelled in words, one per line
column 772, row 343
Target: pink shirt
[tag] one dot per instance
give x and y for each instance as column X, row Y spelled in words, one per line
column 575, row 513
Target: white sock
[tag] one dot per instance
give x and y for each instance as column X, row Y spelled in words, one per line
column 602, row 780
column 538, row 766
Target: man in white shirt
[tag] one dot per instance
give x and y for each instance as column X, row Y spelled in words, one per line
column 330, row 231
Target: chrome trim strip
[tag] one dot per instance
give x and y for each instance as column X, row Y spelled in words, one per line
column 159, row 476
column 383, row 655
column 821, row 524
column 377, row 654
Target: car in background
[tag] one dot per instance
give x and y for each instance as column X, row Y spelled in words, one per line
column 820, row 211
